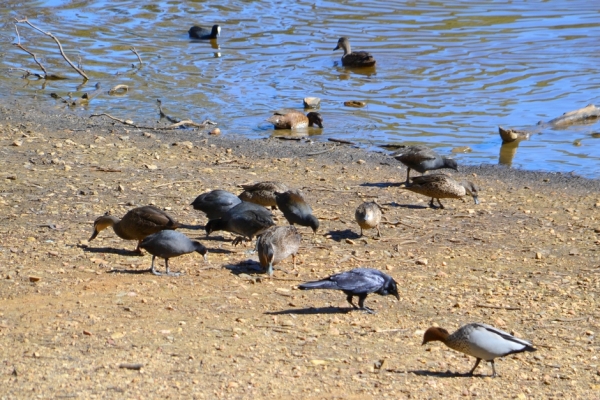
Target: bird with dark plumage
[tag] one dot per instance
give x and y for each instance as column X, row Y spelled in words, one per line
column 293, row 119
column 422, row 159
column 440, row 186
column 484, row 342
column 197, row 32
column 354, row 59
column 276, row 244
column 295, row 209
column 357, row 282
column 246, row 219
column 262, row 193
column 136, row 224
column 169, row 244
column 368, row 216
column 215, row 203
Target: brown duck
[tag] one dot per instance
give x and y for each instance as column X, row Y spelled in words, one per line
column 368, row 216
column 293, row 119
column 262, row 193
column 276, row 244
column 440, row 186
column 354, row 59
column 136, row 224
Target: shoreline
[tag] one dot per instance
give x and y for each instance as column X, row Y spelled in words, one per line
column 273, row 147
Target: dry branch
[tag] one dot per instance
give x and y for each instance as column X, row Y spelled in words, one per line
column 79, row 71
column 118, row 88
column 155, row 128
column 138, row 56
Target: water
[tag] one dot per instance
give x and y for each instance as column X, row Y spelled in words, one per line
column 447, row 74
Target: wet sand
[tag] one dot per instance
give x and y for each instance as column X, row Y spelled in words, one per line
column 81, row 319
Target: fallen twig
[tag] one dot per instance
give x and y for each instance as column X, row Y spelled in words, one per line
column 342, row 141
column 498, row 307
column 154, row 128
column 568, row 320
column 163, row 115
column 118, row 88
column 79, row 71
column 138, row 56
column 136, row 367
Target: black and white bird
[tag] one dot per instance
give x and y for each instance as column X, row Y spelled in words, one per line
column 168, row 244
column 357, row 282
column 484, row 342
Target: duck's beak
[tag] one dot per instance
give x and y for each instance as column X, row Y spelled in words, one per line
column 96, row 232
column 336, row 47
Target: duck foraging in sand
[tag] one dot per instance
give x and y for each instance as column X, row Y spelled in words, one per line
column 136, row 224
column 169, row 244
column 484, row 342
column 295, row 209
column 368, row 216
column 262, row 193
column 215, row 203
column 440, row 186
column 246, row 219
column 276, row 244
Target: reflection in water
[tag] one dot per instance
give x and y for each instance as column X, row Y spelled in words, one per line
column 447, row 72
column 508, row 152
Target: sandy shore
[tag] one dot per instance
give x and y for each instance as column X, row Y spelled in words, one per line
column 74, row 313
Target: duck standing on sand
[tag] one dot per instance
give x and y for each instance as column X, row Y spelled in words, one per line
column 168, row 244
column 484, row 342
column 422, row 159
column 136, row 224
column 246, row 219
column 354, row 59
column 357, row 282
column 368, row 216
column 215, row 203
column 295, row 209
column 262, row 193
column 276, row 244
column 440, row 186
column 293, row 119
column 197, row 32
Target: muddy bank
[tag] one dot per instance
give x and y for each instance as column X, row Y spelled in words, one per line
column 77, row 316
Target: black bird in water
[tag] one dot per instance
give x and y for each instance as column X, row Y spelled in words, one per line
column 295, row 209
column 215, row 203
column 357, row 282
column 167, row 244
column 246, row 219
column 197, row 32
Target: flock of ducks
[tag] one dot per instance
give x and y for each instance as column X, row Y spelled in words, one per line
column 249, row 215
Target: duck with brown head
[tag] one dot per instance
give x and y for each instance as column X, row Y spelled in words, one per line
column 292, row 119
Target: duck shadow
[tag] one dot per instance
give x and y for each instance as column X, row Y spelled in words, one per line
column 313, row 311
column 131, row 271
column 382, row 184
column 446, row 374
column 339, row 235
column 111, row 250
column 245, row 267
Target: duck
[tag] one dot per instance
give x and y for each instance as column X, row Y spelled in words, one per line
column 136, row 224
column 358, row 282
column 293, row 119
column 354, row 59
column 295, row 209
column 262, row 193
column 169, row 244
column 276, row 244
column 422, row 159
column 368, row 216
column 246, row 219
column 482, row 341
column 441, row 186
column 197, row 32
column 215, row 203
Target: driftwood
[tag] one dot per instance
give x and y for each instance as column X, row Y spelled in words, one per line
column 580, row 116
column 62, row 53
column 177, row 125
